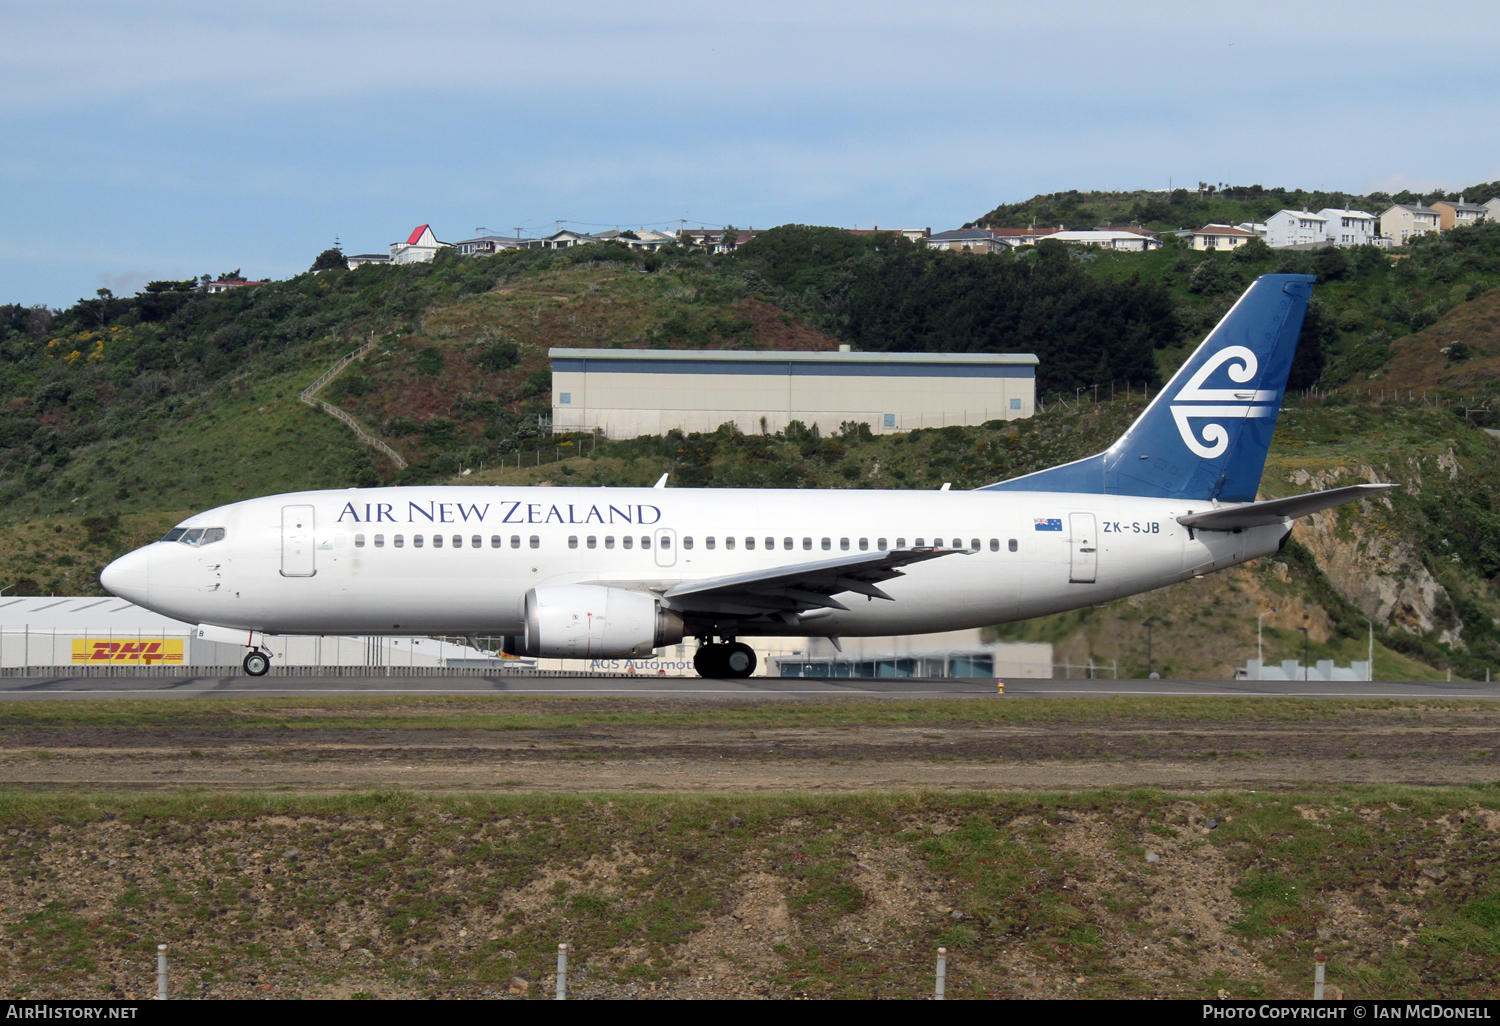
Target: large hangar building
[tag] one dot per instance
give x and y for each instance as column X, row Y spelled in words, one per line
column 626, row 393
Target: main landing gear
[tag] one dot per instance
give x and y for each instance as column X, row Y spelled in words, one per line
column 732, row 659
column 257, row 663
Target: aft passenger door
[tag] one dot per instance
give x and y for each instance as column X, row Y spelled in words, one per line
column 297, row 541
column 1084, row 545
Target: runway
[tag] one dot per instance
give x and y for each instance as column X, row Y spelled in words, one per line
column 693, row 688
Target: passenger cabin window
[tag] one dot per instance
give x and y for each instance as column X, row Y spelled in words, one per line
column 645, row 541
column 827, row 544
column 380, row 541
column 536, row 541
column 880, row 544
column 666, row 542
column 515, row 541
column 708, row 542
column 974, row 544
column 627, row 541
column 398, row 541
column 496, row 541
column 416, row 541
column 687, row 541
column 591, row 541
column 864, row 544
column 806, row 544
column 729, row 543
column 901, row 543
column 572, row 541
column 609, row 541
column 437, row 541
column 994, row 544
column 918, row 543
column 359, row 541
column 750, row 544
column 843, row 544
column 458, row 541
column 476, row 542
column 1012, row 545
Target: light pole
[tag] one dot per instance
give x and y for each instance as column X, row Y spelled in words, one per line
column 1260, row 648
column 1370, row 672
column 1304, row 652
column 1147, row 625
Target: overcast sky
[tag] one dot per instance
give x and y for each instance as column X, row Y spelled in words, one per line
column 148, row 140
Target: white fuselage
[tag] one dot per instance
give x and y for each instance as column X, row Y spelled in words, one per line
column 1034, row 553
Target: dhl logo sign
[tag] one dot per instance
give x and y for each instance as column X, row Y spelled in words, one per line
column 147, row 651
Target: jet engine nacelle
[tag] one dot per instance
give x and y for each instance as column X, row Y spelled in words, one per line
column 589, row 621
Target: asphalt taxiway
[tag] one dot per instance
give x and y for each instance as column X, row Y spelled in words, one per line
column 133, row 687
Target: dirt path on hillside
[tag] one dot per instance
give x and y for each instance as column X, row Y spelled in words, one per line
column 701, row 759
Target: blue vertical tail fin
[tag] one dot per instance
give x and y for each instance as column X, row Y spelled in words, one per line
column 1206, row 434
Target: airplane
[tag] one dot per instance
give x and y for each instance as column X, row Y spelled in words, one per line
column 591, row 573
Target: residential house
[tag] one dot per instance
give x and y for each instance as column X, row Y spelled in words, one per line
column 970, row 240
column 1221, row 236
column 712, row 239
column 1492, row 209
column 1022, row 236
column 1405, row 221
column 1258, row 227
column 419, row 248
column 488, row 245
column 1119, row 239
column 359, row 259
column 1295, row 228
column 1349, row 227
column 914, row 234
column 639, row 238
column 225, row 286
column 1458, row 213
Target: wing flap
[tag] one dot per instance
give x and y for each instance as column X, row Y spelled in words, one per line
column 1273, row 511
column 801, row 586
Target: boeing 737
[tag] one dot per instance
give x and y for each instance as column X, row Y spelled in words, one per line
column 588, row 573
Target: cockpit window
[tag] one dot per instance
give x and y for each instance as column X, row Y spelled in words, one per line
column 197, row 536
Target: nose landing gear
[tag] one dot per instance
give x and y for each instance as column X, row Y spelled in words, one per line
column 257, row 663
column 734, row 660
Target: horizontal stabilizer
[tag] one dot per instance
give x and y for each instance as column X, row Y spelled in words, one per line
column 1273, row 511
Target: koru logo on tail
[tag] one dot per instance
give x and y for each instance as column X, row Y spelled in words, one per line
column 1228, row 403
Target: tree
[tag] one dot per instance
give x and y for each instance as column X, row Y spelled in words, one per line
column 331, row 259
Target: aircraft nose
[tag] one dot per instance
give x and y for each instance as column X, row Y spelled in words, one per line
column 127, row 577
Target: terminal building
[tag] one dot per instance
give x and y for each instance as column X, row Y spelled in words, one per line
column 626, row 393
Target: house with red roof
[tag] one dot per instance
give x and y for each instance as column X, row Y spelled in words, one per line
column 419, row 248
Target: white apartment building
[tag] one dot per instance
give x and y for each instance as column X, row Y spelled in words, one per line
column 1295, row 228
column 1403, row 222
column 1350, row 227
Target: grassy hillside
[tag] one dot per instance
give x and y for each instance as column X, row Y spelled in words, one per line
column 118, row 416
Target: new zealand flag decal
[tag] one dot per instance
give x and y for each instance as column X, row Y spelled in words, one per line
column 1048, row 524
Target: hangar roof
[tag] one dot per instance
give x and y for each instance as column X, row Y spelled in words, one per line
column 745, row 356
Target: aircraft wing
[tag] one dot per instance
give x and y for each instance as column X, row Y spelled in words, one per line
column 1259, row 514
column 789, row 590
